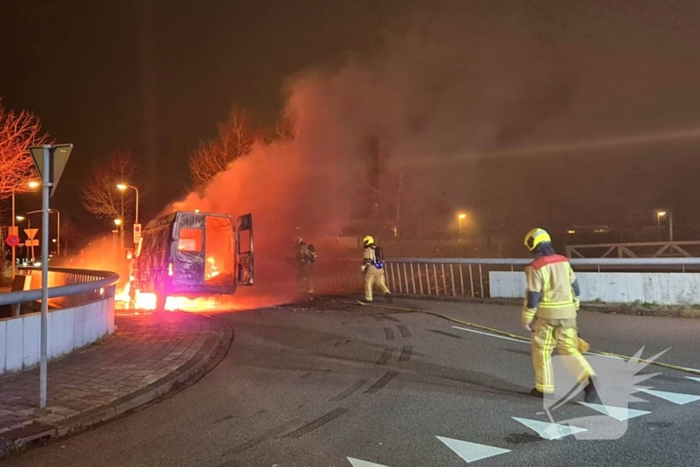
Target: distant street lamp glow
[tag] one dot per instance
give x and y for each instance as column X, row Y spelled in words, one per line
column 460, row 218
column 34, row 184
column 117, row 222
column 20, row 218
column 659, row 215
column 124, row 187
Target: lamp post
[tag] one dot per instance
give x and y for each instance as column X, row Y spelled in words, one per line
column 58, row 228
column 123, row 187
column 32, row 186
column 659, row 215
column 460, row 217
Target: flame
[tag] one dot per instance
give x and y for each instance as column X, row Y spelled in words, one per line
column 123, row 294
column 147, row 301
column 212, row 270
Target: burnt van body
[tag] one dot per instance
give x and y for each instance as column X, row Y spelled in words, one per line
column 194, row 254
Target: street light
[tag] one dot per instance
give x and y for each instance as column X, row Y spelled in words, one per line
column 32, row 186
column 460, row 217
column 124, row 187
column 117, row 222
column 659, row 215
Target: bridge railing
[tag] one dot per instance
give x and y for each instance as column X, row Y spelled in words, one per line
column 67, row 287
column 500, row 277
column 81, row 312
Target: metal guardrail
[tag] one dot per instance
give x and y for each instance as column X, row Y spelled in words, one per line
column 622, row 250
column 469, row 277
column 75, row 286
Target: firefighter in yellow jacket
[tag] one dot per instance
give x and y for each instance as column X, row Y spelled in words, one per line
column 550, row 311
column 373, row 269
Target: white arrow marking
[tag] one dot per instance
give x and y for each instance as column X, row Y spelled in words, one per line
column 549, row 430
column 490, row 335
column 693, row 378
column 471, row 452
column 618, row 413
column 361, row 463
column 675, row 397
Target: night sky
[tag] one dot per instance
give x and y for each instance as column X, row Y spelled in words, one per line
column 83, row 67
column 156, row 77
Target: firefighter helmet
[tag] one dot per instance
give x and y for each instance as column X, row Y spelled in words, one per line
column 535, row 237
column 368, row 240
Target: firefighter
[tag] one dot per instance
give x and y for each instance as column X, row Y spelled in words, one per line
column 305, row 256
column 373, row 269
column 549, row 312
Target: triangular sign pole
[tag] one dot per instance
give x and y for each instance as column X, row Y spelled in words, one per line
column 50, row 160
column 58, row 157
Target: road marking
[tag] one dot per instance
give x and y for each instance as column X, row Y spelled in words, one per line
column 693, row 378
column 361, row 463
column 618, row 413
column 404, row 331
column 549, row 430
column 490, row 335
column 471, row 452
column 675, row 397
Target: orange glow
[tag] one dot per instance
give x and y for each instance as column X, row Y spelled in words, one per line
column 147, row 301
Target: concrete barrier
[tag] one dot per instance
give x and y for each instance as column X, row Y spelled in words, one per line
column 613, row 287
column 68, row 329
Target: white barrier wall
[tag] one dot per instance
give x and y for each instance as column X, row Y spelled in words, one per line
column 68, row 329
column 613, row 287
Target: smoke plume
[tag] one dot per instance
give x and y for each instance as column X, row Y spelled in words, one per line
column 397, row 137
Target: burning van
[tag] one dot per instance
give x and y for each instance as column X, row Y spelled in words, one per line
column 194, row 254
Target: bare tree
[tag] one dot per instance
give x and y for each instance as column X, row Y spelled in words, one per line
column 236, row 138
column 18, row 131
column 101, row 196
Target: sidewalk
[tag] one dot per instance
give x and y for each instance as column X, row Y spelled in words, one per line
column 144, row 358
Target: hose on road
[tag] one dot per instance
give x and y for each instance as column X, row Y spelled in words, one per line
column 521, row 338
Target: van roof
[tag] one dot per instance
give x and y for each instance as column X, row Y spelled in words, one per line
column 174, row 216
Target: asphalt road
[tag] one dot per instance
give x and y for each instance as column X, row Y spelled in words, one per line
column 317, row 385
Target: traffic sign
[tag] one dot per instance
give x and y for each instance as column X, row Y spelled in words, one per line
column 14, row 231
column 31, row 243
column 31, row 233
column 58, row 157
column 12, row 240
column 137, row 232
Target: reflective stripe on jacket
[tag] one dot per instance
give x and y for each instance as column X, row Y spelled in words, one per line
column 551, row 283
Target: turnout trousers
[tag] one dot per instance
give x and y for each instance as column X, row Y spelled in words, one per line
column 374, row 276
column 562, row 334
column 305, row 283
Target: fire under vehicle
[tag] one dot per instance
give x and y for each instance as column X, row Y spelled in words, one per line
column 194, row 254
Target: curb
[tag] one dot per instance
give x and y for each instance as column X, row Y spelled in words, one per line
column 38, row 431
